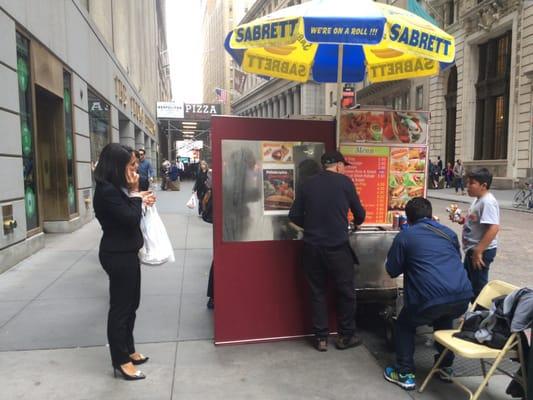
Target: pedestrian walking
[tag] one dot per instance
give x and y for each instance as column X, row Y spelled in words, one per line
column 448, row 174
column 118, row 207
column 146, row 170
column 436, row 290
column 321, row 208
column 480, row 228
column 200, row 187
column 173, row 182
column 458, row 176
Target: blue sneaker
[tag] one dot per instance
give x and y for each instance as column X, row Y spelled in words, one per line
column 405, row 381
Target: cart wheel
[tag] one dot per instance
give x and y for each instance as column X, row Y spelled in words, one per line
column 389, row 333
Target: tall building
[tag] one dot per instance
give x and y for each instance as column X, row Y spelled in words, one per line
column 481, row 108
column 76, row 75
column 219, row 17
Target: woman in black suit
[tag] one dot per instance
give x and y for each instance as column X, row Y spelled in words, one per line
column 118, row 208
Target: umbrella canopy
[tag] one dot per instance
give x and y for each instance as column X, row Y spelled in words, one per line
column 374, row 40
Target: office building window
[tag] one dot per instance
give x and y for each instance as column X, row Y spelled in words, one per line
column 69, row 143
column 99, row 125
column 27, row 132
column 492, row 102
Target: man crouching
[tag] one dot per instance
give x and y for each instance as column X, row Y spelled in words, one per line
column 436, row 286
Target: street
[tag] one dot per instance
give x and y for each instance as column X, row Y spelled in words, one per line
column 512, row 263
column 52, row 329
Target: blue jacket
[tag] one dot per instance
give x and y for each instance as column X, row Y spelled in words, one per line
column 145, row 169
column 429, row 256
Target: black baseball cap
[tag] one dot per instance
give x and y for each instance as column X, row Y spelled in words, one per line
column 332, row 157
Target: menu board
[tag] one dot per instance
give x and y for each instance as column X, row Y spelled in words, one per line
column 386, row 127
column 407, row 176
column 369, row 172
column 386, row 178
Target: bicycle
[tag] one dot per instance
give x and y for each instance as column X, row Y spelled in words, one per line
column 524, row 196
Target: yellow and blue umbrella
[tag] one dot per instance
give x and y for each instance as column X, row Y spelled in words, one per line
column 373, row 40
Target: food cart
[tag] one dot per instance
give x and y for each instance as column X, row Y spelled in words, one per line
column 388, row 153
column 258, row 164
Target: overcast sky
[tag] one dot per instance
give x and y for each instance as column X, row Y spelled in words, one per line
column 184, row 38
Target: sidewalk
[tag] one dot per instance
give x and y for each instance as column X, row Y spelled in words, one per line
column 53, row 310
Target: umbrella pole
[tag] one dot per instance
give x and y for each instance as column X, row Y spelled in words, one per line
column 339, row 96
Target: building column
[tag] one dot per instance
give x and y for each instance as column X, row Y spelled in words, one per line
column 276, row 107
column 127, row 134
column 139, row 138
column 270, row 109
column 147, row 147
column 290, row 103
column 282, row 105
column 297, row 100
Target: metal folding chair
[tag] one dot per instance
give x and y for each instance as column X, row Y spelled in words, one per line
column 466, row 349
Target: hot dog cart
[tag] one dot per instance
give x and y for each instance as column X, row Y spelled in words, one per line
column 261, row 293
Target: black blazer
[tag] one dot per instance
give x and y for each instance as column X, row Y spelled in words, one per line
column 120, row 217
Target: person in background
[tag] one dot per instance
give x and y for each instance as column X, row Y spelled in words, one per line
column 431, row 174
column 458, row 175
column 480, row 228
column 436, row 287
column 165, row 168
column 173, row 182
column 118, row 204
column 145, row 167
column 181, row 168
column 321, row 209
column 200, row 184
column 144, row 183
column 448, row 174
column 439, row 165
column 436, row 175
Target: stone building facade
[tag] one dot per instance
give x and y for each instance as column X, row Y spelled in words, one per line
column 75, row 75
column 482, row 108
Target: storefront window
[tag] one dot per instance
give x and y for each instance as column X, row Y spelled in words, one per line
column 69, row 143
column 26, row 130
column 99, row 125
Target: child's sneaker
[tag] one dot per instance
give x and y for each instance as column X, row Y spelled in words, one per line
column 406, row 381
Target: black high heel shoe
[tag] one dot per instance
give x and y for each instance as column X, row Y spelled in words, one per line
column 138, row 375
column 140, row 361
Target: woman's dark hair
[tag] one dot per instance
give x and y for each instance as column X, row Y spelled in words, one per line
column 112, row 164
column 418, row 208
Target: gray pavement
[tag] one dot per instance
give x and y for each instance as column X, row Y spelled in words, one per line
column 53, row 309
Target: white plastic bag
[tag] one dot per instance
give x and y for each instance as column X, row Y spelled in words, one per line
column 193, row 202
column 157, row 248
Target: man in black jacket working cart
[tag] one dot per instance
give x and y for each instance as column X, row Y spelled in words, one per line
column 321, row 209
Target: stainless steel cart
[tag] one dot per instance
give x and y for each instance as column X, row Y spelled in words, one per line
column 372, row 282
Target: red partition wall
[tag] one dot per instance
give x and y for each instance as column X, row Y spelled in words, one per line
column 260, row 289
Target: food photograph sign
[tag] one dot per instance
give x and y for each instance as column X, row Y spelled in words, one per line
column 384, row 127
column 278, row 189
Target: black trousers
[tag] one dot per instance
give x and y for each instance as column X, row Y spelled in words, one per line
column 210, row 283
column 124, row 273
column 337, row 264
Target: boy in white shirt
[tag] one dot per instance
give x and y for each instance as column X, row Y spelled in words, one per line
column 480, row 228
